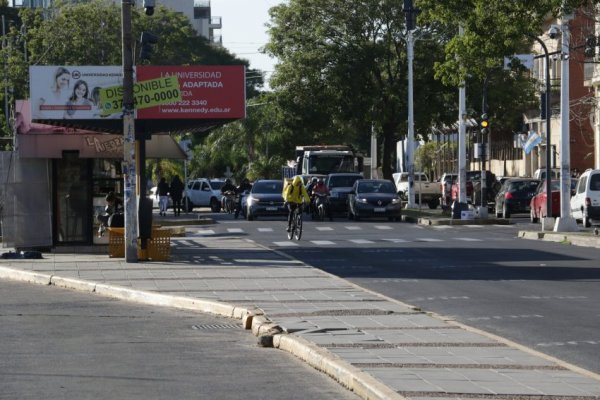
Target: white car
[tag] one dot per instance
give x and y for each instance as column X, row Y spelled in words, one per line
column 154, row 198
column 585, row 203
column 203, row 192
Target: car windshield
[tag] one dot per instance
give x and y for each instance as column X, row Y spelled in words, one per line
column 523, row 186
column 268, row 187
column 342, row 181
column 376, row 187
column 217, row 185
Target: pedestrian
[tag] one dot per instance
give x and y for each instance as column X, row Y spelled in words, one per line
column 176, row 191
column 162, row 191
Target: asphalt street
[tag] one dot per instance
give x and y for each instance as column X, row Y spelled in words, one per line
column 62, row 344
column 540, row 294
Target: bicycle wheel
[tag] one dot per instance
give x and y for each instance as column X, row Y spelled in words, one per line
column 298, row 226
column 290, row 234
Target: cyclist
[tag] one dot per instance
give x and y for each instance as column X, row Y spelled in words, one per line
column 294, row 195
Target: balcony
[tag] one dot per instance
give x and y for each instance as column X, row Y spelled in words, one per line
column 215, row 23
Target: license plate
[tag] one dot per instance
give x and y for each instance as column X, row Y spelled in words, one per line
column 271, row 208
column 379, row 209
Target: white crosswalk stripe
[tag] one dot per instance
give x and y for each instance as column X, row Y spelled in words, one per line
column 428, row 240
column 235, row 230
column 265, row 229
column 383, row 227
column 324, row 228
column 323, row 242
column 286, row 244
column 361, row 241
column 396, row 240
column 205, row 232
column 353, row 228
column 466, row 239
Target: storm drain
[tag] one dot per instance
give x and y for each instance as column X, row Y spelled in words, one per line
column 210, row 327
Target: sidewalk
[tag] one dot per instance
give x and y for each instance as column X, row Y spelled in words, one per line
column 375, row 346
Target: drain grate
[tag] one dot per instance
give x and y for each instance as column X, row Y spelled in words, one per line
column 211, row 327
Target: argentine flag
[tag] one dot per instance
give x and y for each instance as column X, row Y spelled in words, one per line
column 532, row 140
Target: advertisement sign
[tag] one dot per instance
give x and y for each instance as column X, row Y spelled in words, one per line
column 70, row 92
column 146, row 94
column 212, row 92
column 207, row 92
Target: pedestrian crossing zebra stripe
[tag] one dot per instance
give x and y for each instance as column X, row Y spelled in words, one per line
column 361, row 241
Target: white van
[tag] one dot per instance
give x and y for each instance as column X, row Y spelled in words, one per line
column 585, row 203
column 540, row 173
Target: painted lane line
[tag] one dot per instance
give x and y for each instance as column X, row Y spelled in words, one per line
column 265, row 229
column 353, row 228
column 383, row 227
column 235, row 230
column 442, row 227
column 324, row 228
column 466, row 239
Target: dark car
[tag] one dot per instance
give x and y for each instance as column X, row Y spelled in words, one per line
column 515, row 196
column 339, row 185
column 374, row 198
column 265, row 199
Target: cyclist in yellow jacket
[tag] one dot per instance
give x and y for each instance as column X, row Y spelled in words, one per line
column 294, row 195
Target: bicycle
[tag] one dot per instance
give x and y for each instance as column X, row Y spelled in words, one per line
column 296, row 227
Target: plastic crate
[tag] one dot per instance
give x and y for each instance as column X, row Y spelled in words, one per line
column 158, row 247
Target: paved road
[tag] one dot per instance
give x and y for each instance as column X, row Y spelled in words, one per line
column 60, row 344
column 540, row 294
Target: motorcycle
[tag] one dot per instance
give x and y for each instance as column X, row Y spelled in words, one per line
column 229, row 202
column 320, row 207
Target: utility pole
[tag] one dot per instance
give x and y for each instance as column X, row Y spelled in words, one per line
column 411, row 19
column 462, row 144
column 565, row 223
column 129, row 145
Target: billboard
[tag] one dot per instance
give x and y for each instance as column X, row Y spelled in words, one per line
column 161, row 92
column 207, row 92
column 70, row 92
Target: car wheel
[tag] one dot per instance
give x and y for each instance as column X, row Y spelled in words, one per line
column 532, row 216
column 215, row 205
column 505, row 212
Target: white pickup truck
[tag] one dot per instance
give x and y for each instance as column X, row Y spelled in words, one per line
column 425, row 191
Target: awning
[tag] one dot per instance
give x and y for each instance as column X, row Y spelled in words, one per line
column 93, row 146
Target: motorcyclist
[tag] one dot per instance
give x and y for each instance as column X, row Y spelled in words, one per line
column 311, row 185
column 227, row 187
column 243, row 187
column 294, row 196
column 320, row 189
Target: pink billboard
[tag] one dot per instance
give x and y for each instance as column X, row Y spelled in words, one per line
column 207, row 92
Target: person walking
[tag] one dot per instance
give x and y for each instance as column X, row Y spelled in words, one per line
column 176, row 191
column 162, row 191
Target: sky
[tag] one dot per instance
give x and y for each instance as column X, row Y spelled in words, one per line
column 243, row 29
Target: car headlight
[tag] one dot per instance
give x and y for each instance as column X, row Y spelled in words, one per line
column 362, row 200
column 396, row 201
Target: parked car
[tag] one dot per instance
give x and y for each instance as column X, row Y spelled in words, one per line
column 540, row 173
column 154, row 198
column 473, row 188
column 265, row 199
column 425, row 191
column 539, row 204
column 515, row 196
column 374, row 198
column 203, row 193
column 585, row 204
column 340, row 184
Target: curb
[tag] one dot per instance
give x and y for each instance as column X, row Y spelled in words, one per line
column 572, row 238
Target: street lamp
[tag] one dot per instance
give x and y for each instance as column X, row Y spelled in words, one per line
column 548, row 123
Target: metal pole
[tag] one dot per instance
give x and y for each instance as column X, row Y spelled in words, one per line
column 565, row 222
column 129, row 149
column 548, row 124
column 462, row 145
column 410, row 145
column 6, row 116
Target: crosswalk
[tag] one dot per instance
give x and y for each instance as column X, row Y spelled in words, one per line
column 339, row 234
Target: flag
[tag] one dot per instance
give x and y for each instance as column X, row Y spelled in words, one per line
column 532, row 140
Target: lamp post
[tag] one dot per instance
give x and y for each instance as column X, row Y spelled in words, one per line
column 548, row 123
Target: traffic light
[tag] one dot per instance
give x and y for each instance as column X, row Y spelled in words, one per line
column 149, row 6
column 485, row 124
column 590, row 46
column 411, row 13
column 147, row 40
